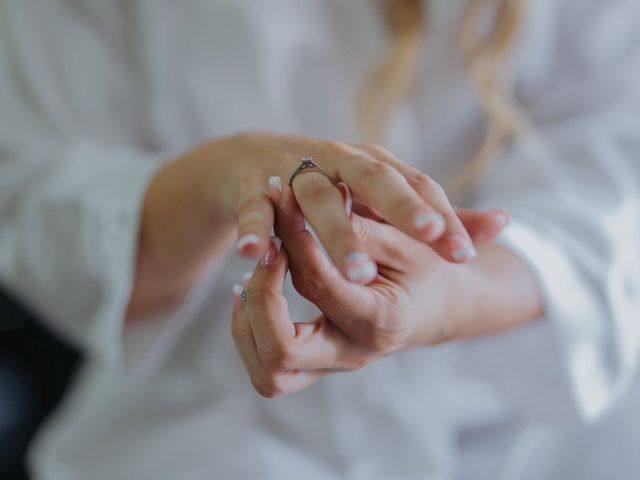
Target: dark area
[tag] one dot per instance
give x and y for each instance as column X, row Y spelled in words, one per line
column 35, row 369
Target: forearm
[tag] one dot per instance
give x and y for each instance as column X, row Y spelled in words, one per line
column 181, row 233
column 497, row 292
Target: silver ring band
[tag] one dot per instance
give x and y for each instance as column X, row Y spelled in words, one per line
column 308, row 165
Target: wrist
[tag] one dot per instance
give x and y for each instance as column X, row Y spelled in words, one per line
column 460, row 295
column 492, row 294
column 180, row 233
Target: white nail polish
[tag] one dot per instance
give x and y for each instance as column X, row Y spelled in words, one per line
column 363, row 273
column 275, row 182
column 270, row 255
column 237, row 289
column 277, row 242
column 505, row 217
column 435, row 219
column 246, row 277
column 250, row 239
column 348, row 198
column 357, row 257
column 466, row 253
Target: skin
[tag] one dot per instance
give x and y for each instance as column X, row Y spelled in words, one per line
column 421, row 293
column 196, row 206
column 418, row 299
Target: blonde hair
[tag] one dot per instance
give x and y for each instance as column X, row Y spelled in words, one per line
column 484, row 53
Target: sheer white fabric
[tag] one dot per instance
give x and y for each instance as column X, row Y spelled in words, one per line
column 94, row 96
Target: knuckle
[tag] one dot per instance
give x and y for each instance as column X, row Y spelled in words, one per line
column 361, row 229
column 310, row 285
column 420, row 180
column 379, row 342
column 360, row 362
column 373, row 170
column 268, row 386
column 278, row 357
column 250, row 203
column 239, row 332
column 423, row 183
column 261, row 298
column 380, row 151
column 336, row 147
column 386, row 334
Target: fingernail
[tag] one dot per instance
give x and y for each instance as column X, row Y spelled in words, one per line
column 246, row 278
column 466, row 253
column 360, row 268
column 275, row 189
column 346, row 197
column 237, row 299
column 277, row 242
column 462, row 249
column 432, row 223
column 243, row 242
column 272, row 252
column 505, row 216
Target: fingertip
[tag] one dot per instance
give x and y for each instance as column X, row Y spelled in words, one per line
column 347, row 198
column 503, row 217
column 360, row 268
column 275, row 189
column 273, row 252
column 460, row 248
column 249, row 245
column 272, row 268
column 277, row 242
column 431, row 226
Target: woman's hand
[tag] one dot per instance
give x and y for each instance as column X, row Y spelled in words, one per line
column 193, row 206
column 416, row 299
column 237, row 173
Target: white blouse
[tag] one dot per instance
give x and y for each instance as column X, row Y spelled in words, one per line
column 95, row 96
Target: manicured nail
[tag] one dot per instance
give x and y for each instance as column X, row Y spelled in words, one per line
column 347, row 198
column 246, row 278
column 467, row 253
column 243, row 242
column 432, row 224
column 462, row 249
column 360, row 268
column 505, row 216
column 237, row 296
column 272, row 252
column 275, row 189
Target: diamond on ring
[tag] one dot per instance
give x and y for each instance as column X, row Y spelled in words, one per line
column 243, row 296
column 307, row 164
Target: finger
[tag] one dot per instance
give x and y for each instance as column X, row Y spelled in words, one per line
column 313, row 276
column 388, row 247
column 269, row 384
column 455, row 243
column 255, row 223
column 323, row 205
column 267, row 307
column 484, row 227
column 380, row 186
column 243, row 336
column 282, row 345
